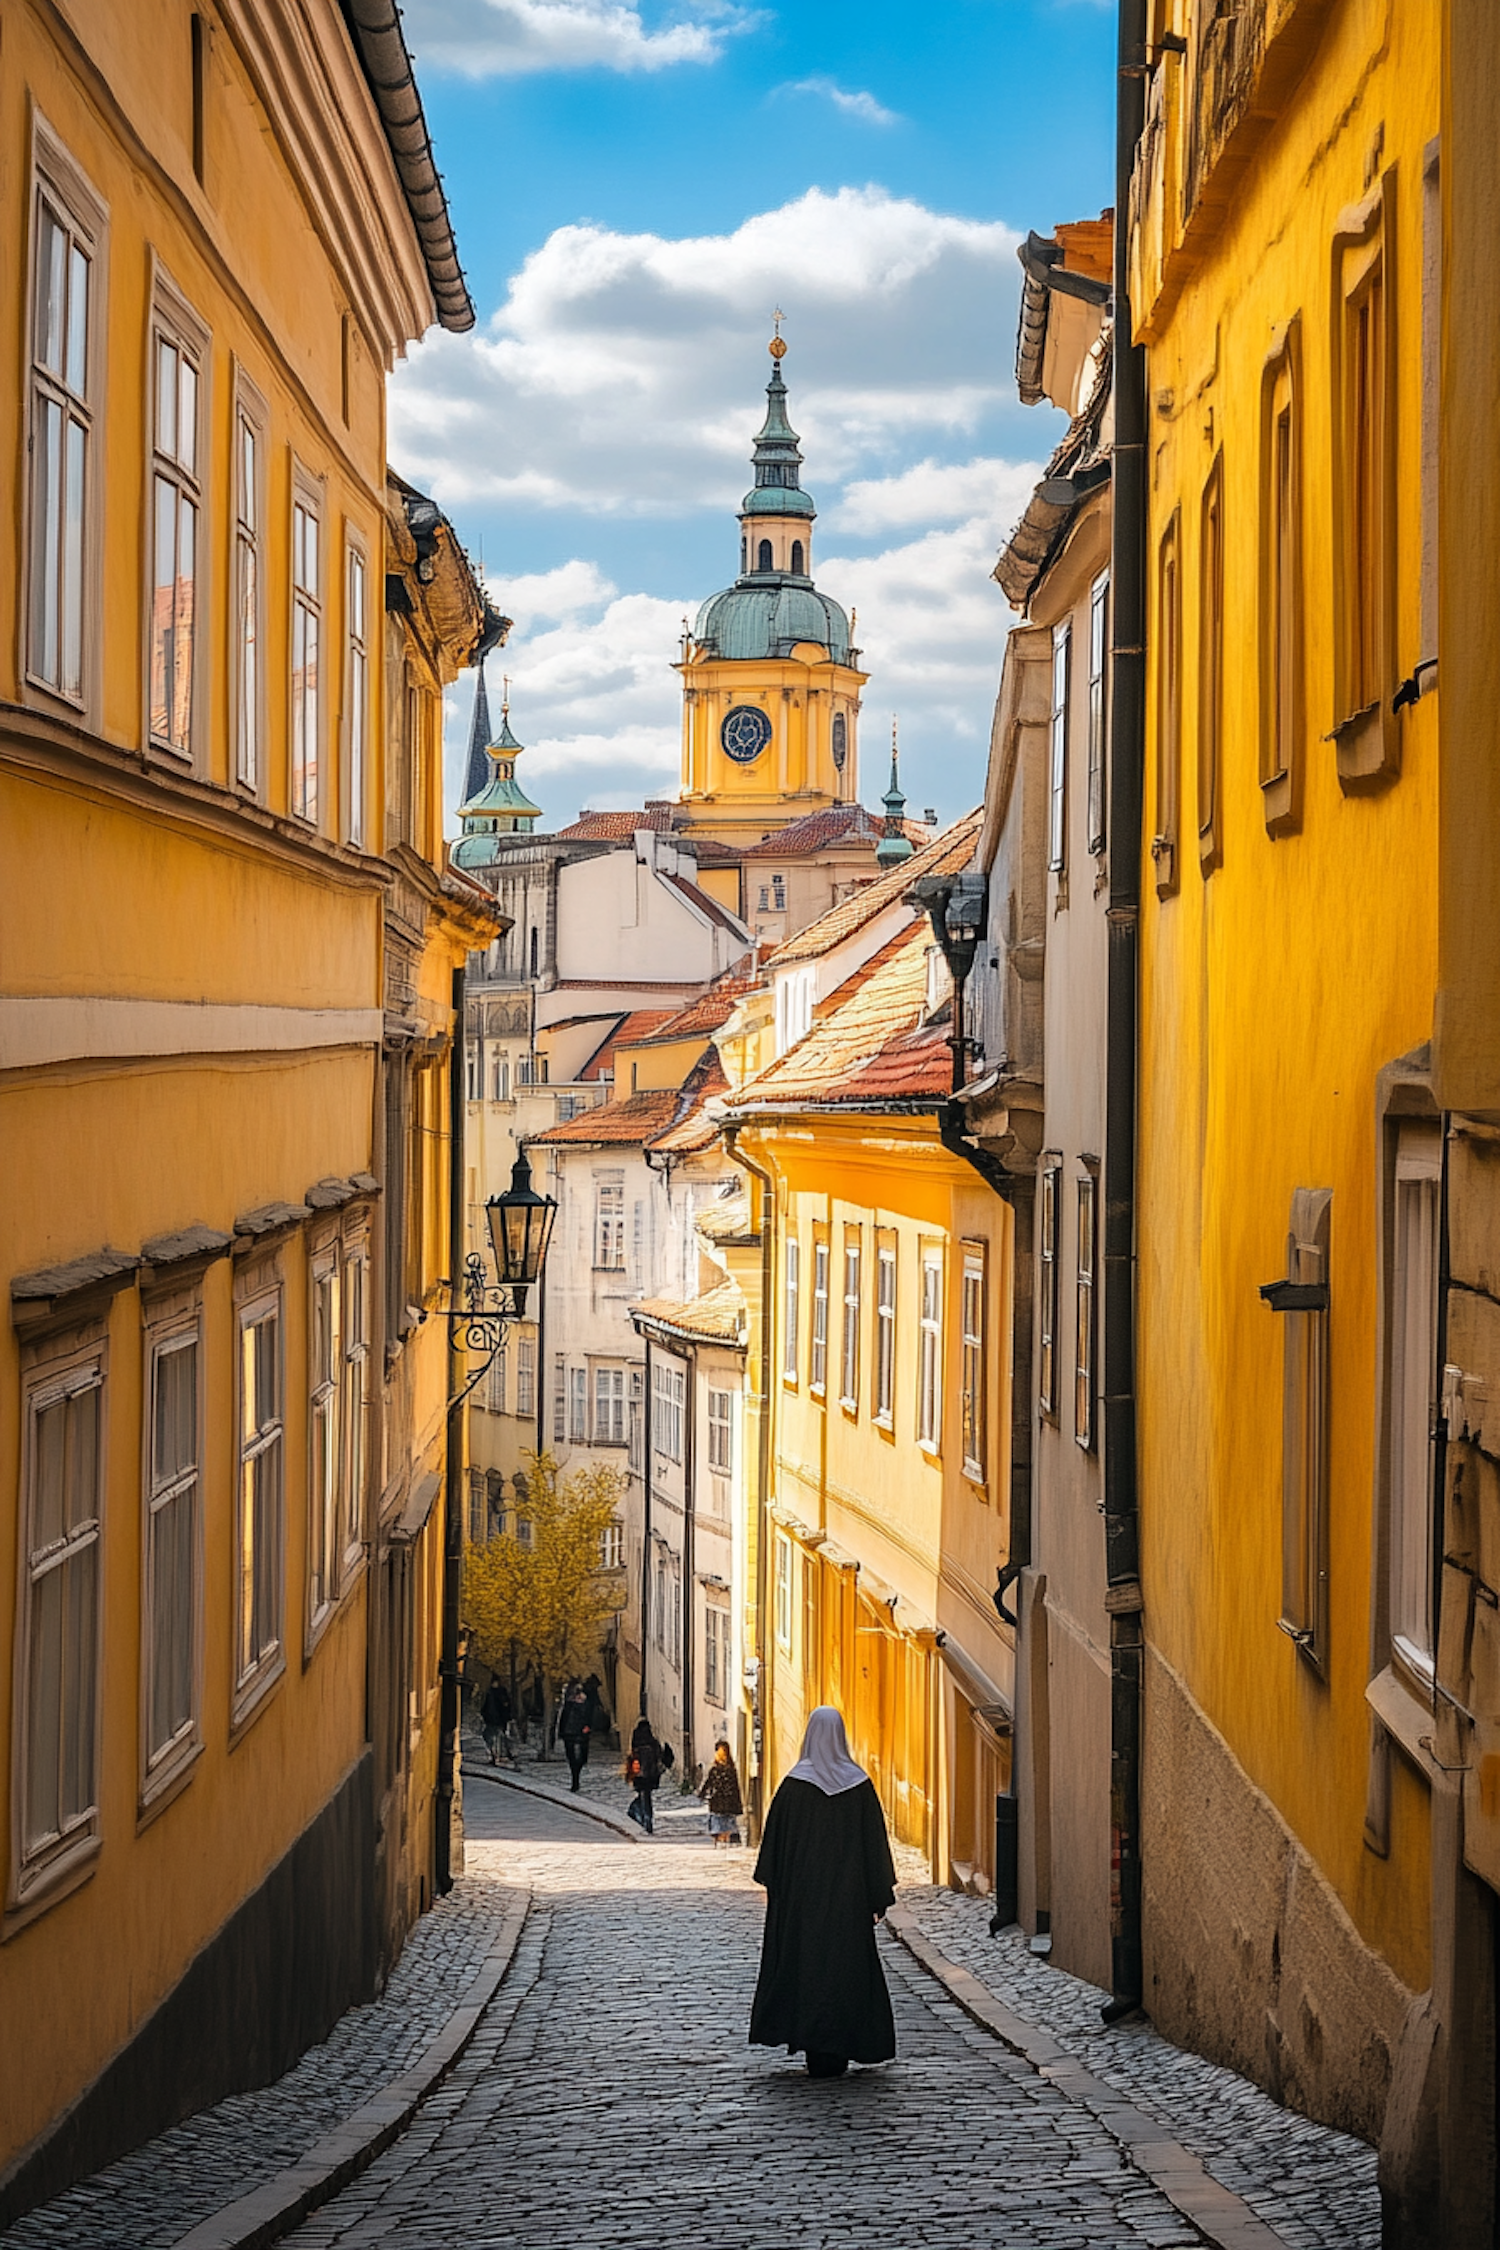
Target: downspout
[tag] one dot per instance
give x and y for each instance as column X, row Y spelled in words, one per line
column 646, row 1459
column 539, row 1399
column 1127, row 703
column 453, row 1521
column 689, row 1469
column 760, row 1709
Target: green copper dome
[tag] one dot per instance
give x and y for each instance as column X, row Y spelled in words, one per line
column 767, row 614
column 499, row 806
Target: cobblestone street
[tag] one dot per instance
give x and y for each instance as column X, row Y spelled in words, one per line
column 608, row 2096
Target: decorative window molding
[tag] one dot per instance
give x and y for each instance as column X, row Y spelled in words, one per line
column 784, row 1591
column 1210, row 760
column 974, row 1374
column 930, row 1353
column 325, row 1343
column 1168, row 767
column 1098, row 710
column 307, row 716
column 609, row 1222
column 1049, row 1267
column 1085, row 1327
column 849, row 1341
column 790, row 1307
column 67, row 317
column 171, row 1543
column 817, row 1363
column 1057, row 788
column 250, row 471
column 885, row 1334
column 1366, row 731
column 609, row 1406
column 178, row 406
column 260, row 1499
column 1282, row 716
column 721, row 1432
column 354, row 1404
column 526, row 1378
column 668, row 1404
column 356, row 729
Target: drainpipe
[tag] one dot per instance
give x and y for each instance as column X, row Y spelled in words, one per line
column 453, row 1520
column 689, row 1470
column 1127, row 705
column 760, row 1709
column 646, row 1458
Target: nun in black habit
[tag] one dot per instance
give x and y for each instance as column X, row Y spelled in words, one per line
column 826, row 1864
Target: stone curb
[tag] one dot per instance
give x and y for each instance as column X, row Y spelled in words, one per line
column 1221, row 2217
column 565, row 1797
column 279, row 2204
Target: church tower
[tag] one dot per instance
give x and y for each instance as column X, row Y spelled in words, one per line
column 495, row 804
column 770, row 682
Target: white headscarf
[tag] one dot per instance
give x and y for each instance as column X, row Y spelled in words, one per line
column 825, row 1759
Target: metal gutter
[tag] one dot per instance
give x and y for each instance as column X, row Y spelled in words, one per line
column 453, row 1520
column 380, row 43
column 760, row 1716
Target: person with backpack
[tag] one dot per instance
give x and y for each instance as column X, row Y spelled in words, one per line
column 573, row 1726
column 721, row 1794
column 644, row 1766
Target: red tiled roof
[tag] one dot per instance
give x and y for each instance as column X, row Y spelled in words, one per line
column 616, row 827
column 709, row 852
column 626, row 1124
column 954, row 848
column 871, row 1045
column 814, row 832
column 711, row 1009
column 710, row 906
column 693, row 1128
column 718, row 1316
column 639, row 1024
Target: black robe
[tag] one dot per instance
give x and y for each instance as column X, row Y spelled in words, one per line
column 826, row 1865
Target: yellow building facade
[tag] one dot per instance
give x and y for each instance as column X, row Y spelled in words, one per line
column 1285, row 233
column 195, row 841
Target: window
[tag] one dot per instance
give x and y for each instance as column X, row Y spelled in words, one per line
column 249, row 586
column 526, row 1378
column 840, row 740
column 258, row 1619
column 1366, row 731
column 495, row 1382
column 500, row 1081
column 659, row 1626
column 327, row 1345
column 58, row 1681
column 930, row 1353
column 715, row 1654
column 307, row 631
column 817, row 1373
column 1098, row 705
column 478, row 1525
column 811, row 1637
column 1084, row 1316
column 778, row 893
column 171, row 1543
column 609, row 1221
column 612, row 1546
column 354, row 1404
column 721, row 1431
column 636, row 1455
column 783, row 1590
column 849, row 1357
column 885, row 1334
column 791, row 1309
column 1047, row 1280
column 799, row 559
column 1210, row 667
column 1168, row 711
column 763, row 559
column 973, row 1372
column 1413, row 1373
column 357, row 689
column 1304, row 1426
column 559, row 1398
column 1057, row 794
column 473, row 1069
column 668, row 1388
column 64, row 337
column 609, row 1406
column 177, row 351
column 1281, row 585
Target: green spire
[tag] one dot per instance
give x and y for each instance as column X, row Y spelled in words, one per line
column 895, row 845
column 778, row 452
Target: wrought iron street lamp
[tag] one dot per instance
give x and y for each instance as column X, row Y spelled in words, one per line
column 520, row 1223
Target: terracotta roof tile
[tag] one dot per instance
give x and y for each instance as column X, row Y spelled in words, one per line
column 693, row 1128
column 639, row 1024
column 616, row 827
column 627, row 1124
column 718, row 1316
column 711, row 1009
column 871, row 1044
column 953, row 848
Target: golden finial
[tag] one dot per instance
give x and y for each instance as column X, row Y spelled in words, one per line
column 505, row 695
column 777, row 345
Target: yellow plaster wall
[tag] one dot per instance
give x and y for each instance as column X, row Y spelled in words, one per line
column 1275, row 989
column 799, row 694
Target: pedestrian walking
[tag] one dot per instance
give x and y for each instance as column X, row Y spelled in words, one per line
column 573, row 1726
column 644, row 1766
column 721, row 1794
column 494, row 1716
column 825, row 1861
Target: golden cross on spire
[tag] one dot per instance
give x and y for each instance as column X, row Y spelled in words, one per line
column 777, row 345
column 505, row 694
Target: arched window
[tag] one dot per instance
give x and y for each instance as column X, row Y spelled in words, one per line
column 798, row 567
column 763, row 560
column 840, row 739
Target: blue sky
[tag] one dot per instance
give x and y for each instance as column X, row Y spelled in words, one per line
column 634, row 188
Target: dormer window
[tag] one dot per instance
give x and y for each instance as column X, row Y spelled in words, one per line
column 798, row 563
column 763, row 560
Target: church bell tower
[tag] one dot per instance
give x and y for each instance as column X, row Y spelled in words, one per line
column 770, row 681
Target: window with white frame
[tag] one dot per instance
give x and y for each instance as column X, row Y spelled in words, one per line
column 721, row 1431
column 307, row 647
column 609, row 1406
column 1048, row 1277
column 64, row 321
column 261, row 1448
column 1098, row 692
column 783, row 1590
column 612, row 1546
column 715, row 1654
column 791, row 1308
column 354, row 1405
column 249, row 593
column 668, row 1396
column 849, row 1356
column 501, row 1079
column 178, row 349
column 885, row 1333
column 659, row 1623
column 973, row 1373
column 817, row 1372
column 1413, row 1329
column 171, row 1607
column 479, row 1508
column 578, row 1405
column 1085, row 1317
column 526, row 1377
column 357, row 687
column 1057, row 791
column 325, row 1326
column 58, row 1673
column 494, row 1395
column 559, row 1398
column 473, row 1069
column 609, row 1221
column 636, row 1454
column 930, row 1352
column 638, row 1243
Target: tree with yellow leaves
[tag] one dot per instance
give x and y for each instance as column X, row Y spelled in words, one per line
column 545, row 1595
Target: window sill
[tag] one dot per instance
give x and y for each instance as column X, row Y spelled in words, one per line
column 1406, row 1719
column 254, row 1694
column 931, row 1447
column 167, row 1783
column 851, row 1408
column 975, row 1476
column 50, row 1885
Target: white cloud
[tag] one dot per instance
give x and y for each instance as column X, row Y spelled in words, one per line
column 932, row 626
column 563, row 592
column 620, row 377
column 936, row 492
column 507, row 38
column 858, row 104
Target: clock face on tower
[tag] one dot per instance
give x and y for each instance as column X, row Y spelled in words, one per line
column 745, row 733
